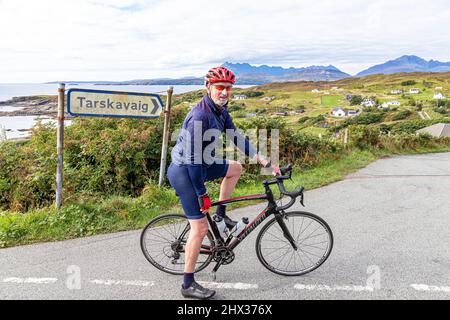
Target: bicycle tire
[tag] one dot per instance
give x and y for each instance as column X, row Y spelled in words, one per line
column 168, row 241
column 272, row 227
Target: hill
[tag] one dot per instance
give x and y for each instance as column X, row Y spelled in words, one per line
column 266, row 74
column 407, row 64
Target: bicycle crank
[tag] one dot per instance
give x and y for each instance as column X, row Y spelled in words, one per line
column 223, row 255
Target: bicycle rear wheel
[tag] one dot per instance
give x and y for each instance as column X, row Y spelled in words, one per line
column 312, row 236
column 163, row 243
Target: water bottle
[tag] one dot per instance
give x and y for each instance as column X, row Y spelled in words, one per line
column 239, row 227
column 221, row 226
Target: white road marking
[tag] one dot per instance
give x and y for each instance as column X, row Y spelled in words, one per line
column 320, row 287
column 235, row 286
column 30, row 280
column 123, row 283
column 424, row 287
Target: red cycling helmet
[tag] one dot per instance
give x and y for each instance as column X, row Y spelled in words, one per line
column 220, row 74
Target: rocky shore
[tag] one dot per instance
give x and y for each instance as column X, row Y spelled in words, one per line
column 31, row 106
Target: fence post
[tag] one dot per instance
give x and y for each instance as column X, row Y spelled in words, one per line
column 166, row 136
column 60, row 145
column 346, row 138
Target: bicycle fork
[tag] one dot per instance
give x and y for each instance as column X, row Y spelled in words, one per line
column 286, row 232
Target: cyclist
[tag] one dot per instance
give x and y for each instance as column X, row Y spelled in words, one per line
column 194, row 162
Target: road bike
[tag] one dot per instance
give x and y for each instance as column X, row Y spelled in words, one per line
column 291, row 244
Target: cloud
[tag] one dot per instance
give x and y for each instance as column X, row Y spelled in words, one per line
column 45, row 40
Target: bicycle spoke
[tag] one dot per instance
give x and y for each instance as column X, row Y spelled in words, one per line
column 275, row 258
column 276, row 250
column 283, row 240
column 313, row 232
column 303, row 240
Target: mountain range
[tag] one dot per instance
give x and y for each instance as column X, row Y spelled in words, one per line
column 252, row 75
column 407, row 64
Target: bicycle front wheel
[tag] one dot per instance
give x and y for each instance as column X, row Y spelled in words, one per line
column 163, row 243
column 312, row 236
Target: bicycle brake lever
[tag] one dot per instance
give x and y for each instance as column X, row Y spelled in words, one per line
column 301, row 200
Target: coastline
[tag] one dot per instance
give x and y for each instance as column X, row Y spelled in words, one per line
column 31, row 106
column 26, row 107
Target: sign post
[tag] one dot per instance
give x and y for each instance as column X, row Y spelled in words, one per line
column 166, row 137
column 60, row 146
column 100, row 103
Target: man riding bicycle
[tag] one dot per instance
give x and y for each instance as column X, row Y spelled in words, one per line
column 194, row 162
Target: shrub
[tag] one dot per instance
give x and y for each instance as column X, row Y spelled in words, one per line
column 356, row 100
column 363, row 136
column 408, row 83
column 402, row 115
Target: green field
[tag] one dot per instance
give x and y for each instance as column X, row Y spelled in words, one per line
column 331, row 101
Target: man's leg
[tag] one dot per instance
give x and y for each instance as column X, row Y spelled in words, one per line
column 199, row 229
column 190, row 288
column 230, row 180
column 226, row 190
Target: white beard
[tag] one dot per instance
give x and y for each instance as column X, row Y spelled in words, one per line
column 221, row 103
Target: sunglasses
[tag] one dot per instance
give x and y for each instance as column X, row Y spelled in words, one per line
column 221, row 88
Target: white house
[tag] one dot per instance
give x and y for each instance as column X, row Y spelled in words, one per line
column 397, row 91
column 439, row 96
column 388, row 104
column 338, row 112
column 414, row 91
column 240, row 97
column 353, row 113
column 368, row 103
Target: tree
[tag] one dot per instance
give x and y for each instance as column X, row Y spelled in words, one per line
column 409, row 83
column 356, row 100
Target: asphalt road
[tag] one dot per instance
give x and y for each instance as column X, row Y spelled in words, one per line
column 392, row 241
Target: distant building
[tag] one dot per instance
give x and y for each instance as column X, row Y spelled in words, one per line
column 439, row 96
column 240, row 97
column 368, row 103
column 438, row 130
column 388, row 104
column 250, row 115
column 414, row 91
column 315, row 91
column 353, row 113
column 338, row 112
column 397, row 91
column 282, row 114
column 268, row 98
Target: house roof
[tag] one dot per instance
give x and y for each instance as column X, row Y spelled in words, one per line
column 437, row 130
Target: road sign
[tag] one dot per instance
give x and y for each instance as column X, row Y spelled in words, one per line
column 100, row 103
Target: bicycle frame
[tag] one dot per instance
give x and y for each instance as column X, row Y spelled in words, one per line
column 232, row 243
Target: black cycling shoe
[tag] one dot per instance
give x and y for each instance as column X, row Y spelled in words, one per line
column 230, row 223
column 196, row 291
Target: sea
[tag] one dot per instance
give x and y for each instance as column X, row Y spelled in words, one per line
column 13, row 127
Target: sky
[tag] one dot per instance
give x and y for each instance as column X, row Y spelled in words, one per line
column 118, row 40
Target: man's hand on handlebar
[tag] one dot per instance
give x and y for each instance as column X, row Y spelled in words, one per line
column 267, row 164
